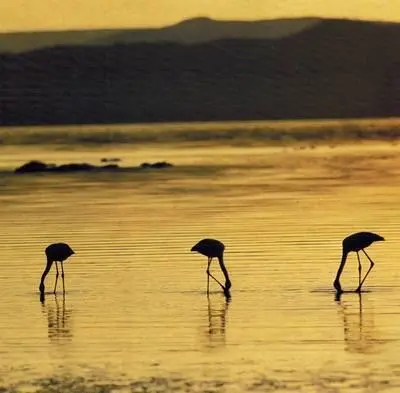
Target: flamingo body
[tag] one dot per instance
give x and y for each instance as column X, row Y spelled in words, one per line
column 210, row 248
column 59, row 252
column 360, row 240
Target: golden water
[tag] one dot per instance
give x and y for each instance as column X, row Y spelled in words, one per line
column 136, row 316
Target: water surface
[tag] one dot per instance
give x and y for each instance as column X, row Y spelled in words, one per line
column 136, row 316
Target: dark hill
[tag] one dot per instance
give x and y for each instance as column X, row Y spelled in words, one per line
column 335, row 69
column 190, row 31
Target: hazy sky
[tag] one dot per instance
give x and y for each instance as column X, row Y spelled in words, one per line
column 16, row 15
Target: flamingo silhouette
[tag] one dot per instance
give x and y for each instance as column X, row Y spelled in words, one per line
column 56, row 252
column 356, row 242
column 212, row 248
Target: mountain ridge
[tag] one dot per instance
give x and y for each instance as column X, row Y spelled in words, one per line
column 336, row 69
column 190, row 31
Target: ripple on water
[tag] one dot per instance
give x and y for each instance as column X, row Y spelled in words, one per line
column 136, row 309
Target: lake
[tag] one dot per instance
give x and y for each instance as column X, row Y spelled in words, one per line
column 136, row 316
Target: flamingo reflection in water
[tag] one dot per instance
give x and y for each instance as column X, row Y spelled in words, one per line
column 215, row 332
column 361, row 335
column 58, row 319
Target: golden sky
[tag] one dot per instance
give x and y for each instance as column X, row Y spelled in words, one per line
column 17, row 15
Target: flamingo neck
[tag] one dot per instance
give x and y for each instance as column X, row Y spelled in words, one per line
column 336, row 283
column 45, row 272
column 228, row 283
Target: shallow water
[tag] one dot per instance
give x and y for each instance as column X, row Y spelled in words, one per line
column 136, row 316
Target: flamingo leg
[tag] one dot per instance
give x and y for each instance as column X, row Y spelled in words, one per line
column 210, row 275
column 57, row 274
column 223, row 288
column 62, row 276
column 359, row 269
column 370, row 267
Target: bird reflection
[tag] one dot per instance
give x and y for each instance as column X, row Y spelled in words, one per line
column 216, row 329
column 360, row 334
column 58, row 319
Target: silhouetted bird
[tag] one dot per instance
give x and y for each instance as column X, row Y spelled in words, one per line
column 57, row 252
column 356, row 242
column 212, row 248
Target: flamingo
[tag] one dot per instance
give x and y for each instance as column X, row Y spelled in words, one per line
column 212, row 248
column 56, row 252
column 356, row 242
